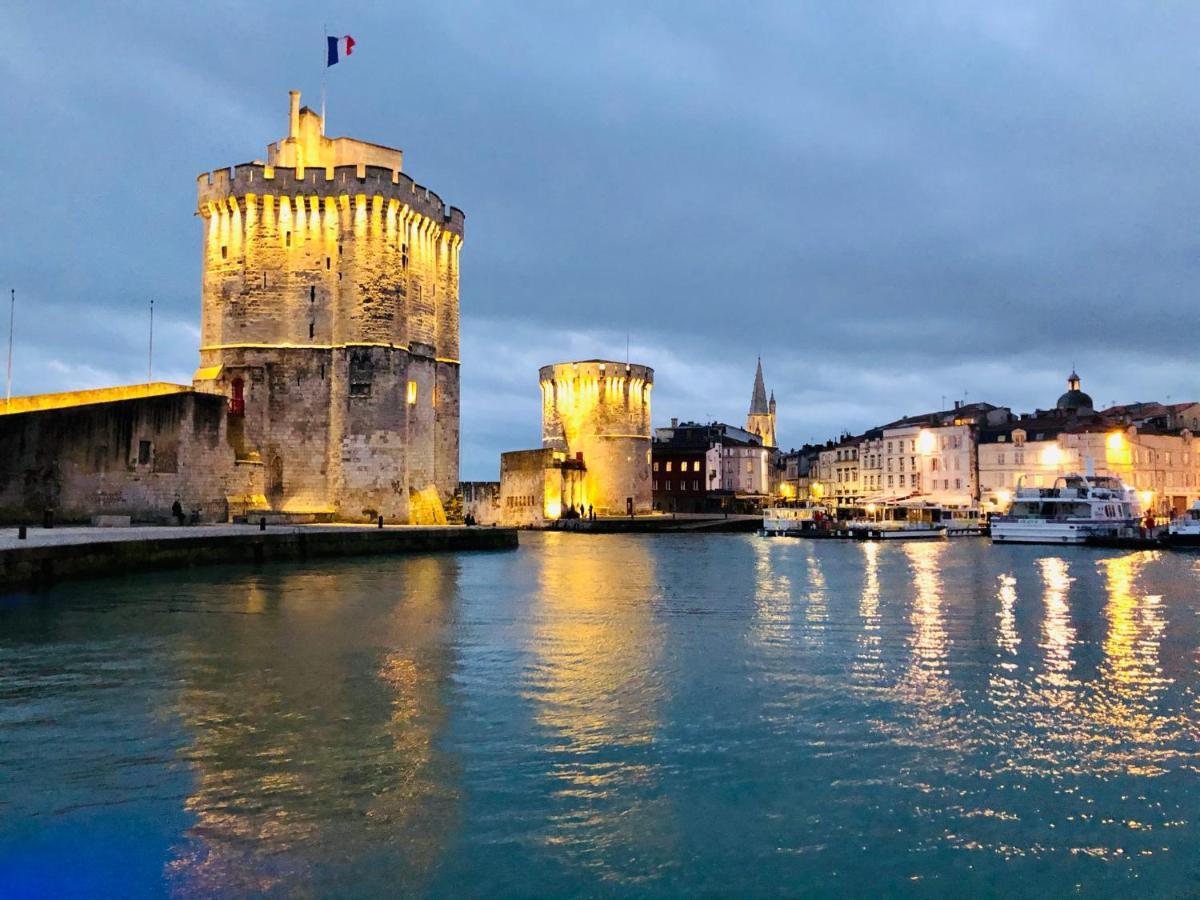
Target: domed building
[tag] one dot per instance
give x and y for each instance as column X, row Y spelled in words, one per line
column 1074, row 400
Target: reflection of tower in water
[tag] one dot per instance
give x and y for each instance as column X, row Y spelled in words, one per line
column 597, row 687
column 303, row 735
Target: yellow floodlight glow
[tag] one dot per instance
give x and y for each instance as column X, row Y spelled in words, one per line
column 1003, row 497
column 1115, row 441
column 553, row 509
column 871, row 508
column 1147, row 498
column 926, row 443
column 1052, row 455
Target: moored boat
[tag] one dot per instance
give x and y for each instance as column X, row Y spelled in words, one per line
column 1076, row 508
column 896, row 522
column 1184, row 531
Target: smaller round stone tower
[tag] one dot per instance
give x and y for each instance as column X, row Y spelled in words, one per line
column 600, row 410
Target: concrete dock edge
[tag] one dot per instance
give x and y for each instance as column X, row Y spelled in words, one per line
column 38, row 566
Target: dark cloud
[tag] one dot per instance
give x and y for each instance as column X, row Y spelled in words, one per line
column 891, row 204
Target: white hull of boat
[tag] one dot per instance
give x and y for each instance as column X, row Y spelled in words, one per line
column 1038, row 531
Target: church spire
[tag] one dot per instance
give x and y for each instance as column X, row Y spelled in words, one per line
column 758, row 400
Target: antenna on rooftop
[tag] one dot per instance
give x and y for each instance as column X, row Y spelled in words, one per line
column 150, row 352
column 12, row 312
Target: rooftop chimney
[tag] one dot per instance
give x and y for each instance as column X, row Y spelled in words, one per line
column 674, row 422
column 294, row 114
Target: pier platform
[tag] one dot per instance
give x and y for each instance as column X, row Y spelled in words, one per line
column 659, row 523
column 47, row 555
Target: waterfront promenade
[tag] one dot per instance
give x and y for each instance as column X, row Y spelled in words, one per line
column 46, row 555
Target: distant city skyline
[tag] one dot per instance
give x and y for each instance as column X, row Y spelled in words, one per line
column 889, row 206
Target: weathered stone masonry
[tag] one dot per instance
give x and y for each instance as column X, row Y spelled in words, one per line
column 330, row 319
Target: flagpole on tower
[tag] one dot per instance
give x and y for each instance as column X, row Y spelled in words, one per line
column 12, row 312
column 150, row 351
column 324, row 69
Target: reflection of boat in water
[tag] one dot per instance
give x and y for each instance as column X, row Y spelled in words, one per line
column 1075, row 509
column 896, row 522
column 1184, row 531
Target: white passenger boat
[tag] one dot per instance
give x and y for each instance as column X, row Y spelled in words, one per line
column 1185, row 530
column 1076, row 508
column 964, row 521
column 789, row 521
column 896, row 522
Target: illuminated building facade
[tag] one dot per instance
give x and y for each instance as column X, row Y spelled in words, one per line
column 709, row 467
column 598, row 412
column 330, row 321
column 595, row 453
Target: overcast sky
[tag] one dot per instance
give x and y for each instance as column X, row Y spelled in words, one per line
column 891, row 203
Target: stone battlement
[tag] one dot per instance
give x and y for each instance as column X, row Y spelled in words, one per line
column 595, row 369
column 257, row 179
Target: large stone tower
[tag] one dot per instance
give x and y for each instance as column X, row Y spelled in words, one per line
column 330, row 319
column 600, row 410
column 761, row 419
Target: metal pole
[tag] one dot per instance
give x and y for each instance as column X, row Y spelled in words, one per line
column 150, row 352
column 324, row 69
column 12, row 312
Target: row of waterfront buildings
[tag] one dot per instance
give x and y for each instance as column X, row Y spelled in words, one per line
column 328, row 387
column 979, row 453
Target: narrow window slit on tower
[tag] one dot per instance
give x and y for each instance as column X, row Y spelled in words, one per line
column 224, row 252
column 311, row 330
column 264, row 279
column 289, row 239
column 312, row 293
column 328, row 263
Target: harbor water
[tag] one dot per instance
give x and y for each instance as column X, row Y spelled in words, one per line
column 611, row 715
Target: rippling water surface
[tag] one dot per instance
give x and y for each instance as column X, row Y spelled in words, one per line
column 611, row 715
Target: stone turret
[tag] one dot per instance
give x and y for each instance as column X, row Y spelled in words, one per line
column 600, row 410
column 330, row 318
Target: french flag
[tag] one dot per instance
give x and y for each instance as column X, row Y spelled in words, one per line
column 345, row 43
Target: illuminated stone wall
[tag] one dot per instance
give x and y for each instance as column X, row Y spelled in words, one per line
column 124, row 456
column 601, row 409
column 330, row 291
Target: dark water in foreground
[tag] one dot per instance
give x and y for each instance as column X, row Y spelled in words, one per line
column 611, row 715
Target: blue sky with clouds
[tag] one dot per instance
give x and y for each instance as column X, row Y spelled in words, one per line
column 891, row 203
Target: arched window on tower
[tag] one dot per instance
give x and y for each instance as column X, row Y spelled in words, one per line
column 237, row 398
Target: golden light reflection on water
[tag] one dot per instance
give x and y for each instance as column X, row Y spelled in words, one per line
column 772, row 595
column 290, row 744
column 598, row 686
column 1132, row 674
column 1006, row 613
column 816, row 606
column 868, row 662
column 926, row 685
column 1058, row 635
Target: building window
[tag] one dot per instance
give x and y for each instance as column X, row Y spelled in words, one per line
column 656, row 484
column 143, row 453
column 237, row 398
column 668, row 467
column 656, row 467
column 412, row 393
column 695, row 484
column 289, row 239
column 682, row 484
column 668, row 485
column 890, row 480
column 224, row 252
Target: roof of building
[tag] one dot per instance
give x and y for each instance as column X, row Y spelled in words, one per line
column 960, row 411
column 696, row 434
